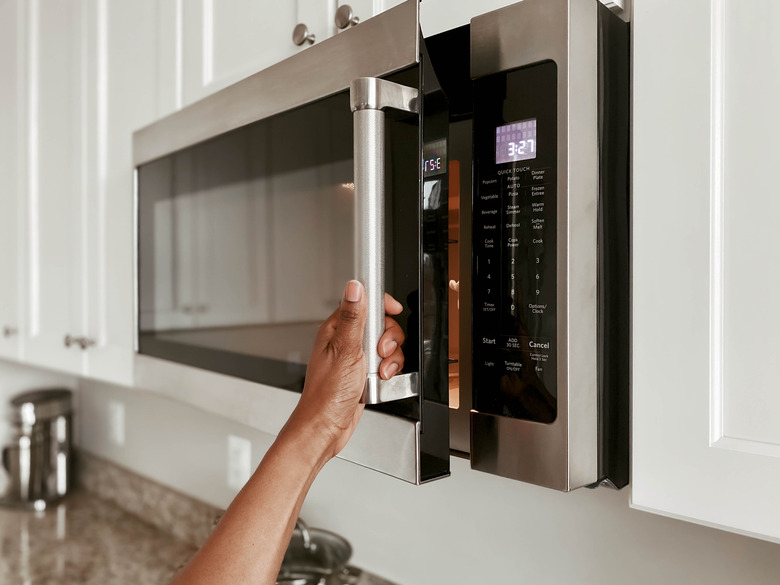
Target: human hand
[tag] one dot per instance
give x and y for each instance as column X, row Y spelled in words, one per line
column 336, row 374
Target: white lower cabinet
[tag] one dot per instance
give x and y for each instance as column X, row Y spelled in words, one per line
column 706, row 249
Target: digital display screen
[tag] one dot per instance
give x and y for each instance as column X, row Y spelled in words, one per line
column 516, row 141
column 434, row 158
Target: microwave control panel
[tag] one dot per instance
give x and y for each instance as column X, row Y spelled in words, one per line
column 514, row 267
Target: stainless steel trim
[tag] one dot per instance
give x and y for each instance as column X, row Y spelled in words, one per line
column 398, row 387
column 370, row 225
column 382, row 442
column 379, row 46
column 564, row 454
column 368, row 98
column 136, row 292
column 369, row 93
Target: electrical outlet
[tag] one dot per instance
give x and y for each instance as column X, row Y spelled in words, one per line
column 239, row 459
column 116, row 422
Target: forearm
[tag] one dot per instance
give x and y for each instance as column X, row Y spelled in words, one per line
column 249, row 543
column 248, row 546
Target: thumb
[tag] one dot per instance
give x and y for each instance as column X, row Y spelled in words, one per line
column 351, row 319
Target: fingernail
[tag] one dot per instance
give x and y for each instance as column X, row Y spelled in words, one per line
column 352, row 292
column 389, row 347
column 391, row 370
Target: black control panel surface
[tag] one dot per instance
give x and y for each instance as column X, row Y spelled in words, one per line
column 514, row 244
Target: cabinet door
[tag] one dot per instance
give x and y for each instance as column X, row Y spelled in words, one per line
column 56, row 191
column 122, row 97
column 225, row 41
column 11, row 173
column 706, row 244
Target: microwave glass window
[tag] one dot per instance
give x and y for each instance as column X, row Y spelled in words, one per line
column 516, row 141
column 246, row 241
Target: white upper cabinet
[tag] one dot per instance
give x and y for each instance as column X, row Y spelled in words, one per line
column 706, row 211
column 222, row 42
column 91, row 82
column 218, row 43
column 56, row 195
column 12, row 175
column 121, row 82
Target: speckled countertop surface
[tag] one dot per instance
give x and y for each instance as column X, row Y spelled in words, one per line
column 86, row 541
column 117, row 528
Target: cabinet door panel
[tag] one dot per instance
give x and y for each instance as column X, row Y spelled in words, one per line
column 706, row 411
column 122, row 74
column 751, row 215
column 227, row 40
column 12, row 173
column 56, row 189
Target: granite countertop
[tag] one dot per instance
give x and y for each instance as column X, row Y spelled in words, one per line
column 85, row 540
column 116, row 528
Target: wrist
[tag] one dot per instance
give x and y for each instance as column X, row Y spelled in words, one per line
column 308, row 440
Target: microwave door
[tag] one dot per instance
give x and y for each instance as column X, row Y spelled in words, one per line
column 400, row 128
column 245, row 234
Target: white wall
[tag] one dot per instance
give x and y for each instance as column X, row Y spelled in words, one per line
column 469, row 529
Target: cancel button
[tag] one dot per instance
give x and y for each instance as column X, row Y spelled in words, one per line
column 539, row 344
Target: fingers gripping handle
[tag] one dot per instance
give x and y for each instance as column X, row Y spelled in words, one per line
column 369, row 97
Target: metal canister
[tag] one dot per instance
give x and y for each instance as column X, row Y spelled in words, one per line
column 39, row 460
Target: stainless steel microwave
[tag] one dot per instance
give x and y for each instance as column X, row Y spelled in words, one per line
column 494, row 156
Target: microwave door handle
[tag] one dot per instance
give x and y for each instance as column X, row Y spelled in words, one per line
column 369, row 97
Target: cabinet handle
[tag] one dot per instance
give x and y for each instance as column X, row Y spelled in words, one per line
column 345, row 17
column 82, row 342
column 9, row 331
column 302, row 35
column 85, row 342
column 369, row 97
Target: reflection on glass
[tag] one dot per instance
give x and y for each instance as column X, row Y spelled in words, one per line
column 246, row 240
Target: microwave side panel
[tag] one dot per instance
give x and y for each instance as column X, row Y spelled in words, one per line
column 558, row 450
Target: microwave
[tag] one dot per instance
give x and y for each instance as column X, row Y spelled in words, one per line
column 480, row 176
